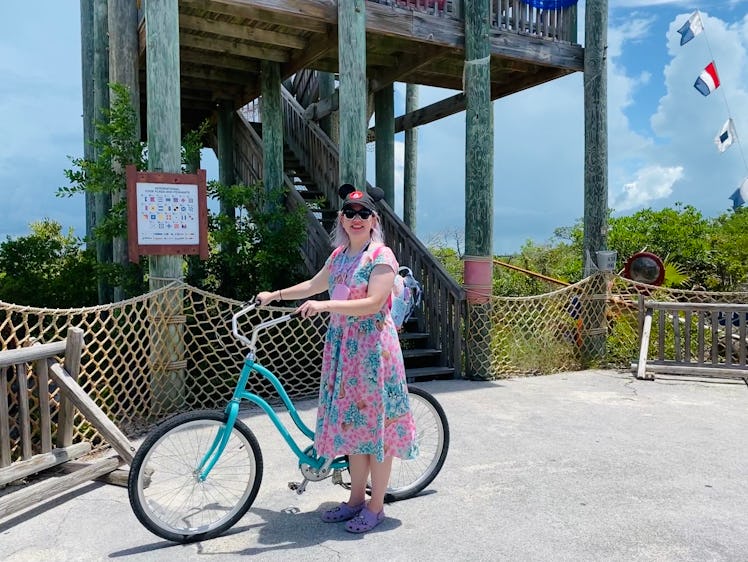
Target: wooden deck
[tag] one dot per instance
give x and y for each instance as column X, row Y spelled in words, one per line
column 223, row 41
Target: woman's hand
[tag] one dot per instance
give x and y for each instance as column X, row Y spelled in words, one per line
column 312, row 308
column 265, row 297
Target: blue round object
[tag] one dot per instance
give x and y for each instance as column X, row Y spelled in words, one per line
column 550, row 4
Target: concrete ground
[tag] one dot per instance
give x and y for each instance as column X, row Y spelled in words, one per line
column 592, row 465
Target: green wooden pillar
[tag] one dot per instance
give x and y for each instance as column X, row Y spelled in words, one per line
column 103, row 200
column 478, row 268
column 272, row 129
column 165, row 155
column 86, row 7
column 353, row 91
column 329, row 123
column 410, row 173
column 226, row 167
column 595, row 168
column 123, row 69
column 384, row 149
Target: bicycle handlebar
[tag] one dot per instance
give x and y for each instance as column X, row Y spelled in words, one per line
column 251, row 342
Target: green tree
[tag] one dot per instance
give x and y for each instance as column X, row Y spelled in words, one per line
column 47, row 269
column 729, row 244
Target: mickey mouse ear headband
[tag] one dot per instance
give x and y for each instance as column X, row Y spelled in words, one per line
column 367, row 199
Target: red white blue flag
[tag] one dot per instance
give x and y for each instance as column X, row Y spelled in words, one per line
column 708, row 81
column 691, row 28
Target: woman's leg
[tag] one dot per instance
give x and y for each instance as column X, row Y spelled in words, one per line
column 380, row 477
column 359, row 468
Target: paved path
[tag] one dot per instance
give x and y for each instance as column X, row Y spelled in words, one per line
column 574, row 466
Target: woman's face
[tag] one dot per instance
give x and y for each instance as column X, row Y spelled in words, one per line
column 354, row 225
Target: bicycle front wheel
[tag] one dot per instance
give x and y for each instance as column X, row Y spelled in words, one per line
column 408, row 477
column 164, row 487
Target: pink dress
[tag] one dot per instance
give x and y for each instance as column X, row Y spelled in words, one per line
column 363, row 398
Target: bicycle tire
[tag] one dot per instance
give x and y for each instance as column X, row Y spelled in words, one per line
column 409, row 477
column 162, row 487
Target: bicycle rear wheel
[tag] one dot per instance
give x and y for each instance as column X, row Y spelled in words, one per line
column 408, row 477
column 164, row 489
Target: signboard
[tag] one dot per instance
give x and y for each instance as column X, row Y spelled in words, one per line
column 167, row 214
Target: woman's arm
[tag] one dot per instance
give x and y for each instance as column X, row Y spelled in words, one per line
column 313, row 286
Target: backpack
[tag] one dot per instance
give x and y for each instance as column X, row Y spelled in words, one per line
column 406, row 292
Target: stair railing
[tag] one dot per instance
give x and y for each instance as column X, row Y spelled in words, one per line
column 248, row 166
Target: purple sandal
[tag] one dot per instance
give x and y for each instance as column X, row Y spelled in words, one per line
column 342, row 512
column 366, row 520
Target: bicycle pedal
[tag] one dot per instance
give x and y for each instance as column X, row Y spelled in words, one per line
column 298, row 487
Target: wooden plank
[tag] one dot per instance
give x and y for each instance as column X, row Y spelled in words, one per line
column 715, row 337
column 687, row 336
column 700, row 318
column 641, row 372
column 742, row 338
column 676, row 336
column 31, row 495
column 307, row 15
column 24, row 414
column 4, row 419
column 45, row 414
column 66, row 412
column 244, row 32
column 701, row 306
column 30, row 354
column 93, row 413
column 117, row 477
column 661, row 335
column 713, row 372
column 228, row 47
column 37, row 463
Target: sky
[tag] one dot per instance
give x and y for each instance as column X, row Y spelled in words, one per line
column 660, row 128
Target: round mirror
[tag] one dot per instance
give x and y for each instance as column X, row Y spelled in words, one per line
column 645, row 267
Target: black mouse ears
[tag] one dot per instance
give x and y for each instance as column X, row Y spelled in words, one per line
column 376, row 193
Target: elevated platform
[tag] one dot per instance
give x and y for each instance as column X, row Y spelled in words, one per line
column 222, row 44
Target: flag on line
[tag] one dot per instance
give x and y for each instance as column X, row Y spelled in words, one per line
column 726, row 136
column 740, row 196
column 708, row 81
column 691, row 28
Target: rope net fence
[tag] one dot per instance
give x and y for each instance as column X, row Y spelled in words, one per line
column 569, row 328
column 171, row 350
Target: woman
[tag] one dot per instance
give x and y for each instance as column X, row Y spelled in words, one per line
column 363, row 401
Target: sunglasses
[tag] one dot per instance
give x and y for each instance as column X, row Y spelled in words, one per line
column 351, row 213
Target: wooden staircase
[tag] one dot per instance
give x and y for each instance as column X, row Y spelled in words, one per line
column 431, row 340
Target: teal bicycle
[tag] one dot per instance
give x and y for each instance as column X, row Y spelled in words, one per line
column 197, row 473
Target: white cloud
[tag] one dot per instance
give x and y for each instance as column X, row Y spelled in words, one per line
column 651, row 183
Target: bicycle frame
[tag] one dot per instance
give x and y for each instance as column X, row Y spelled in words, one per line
column 318, row 464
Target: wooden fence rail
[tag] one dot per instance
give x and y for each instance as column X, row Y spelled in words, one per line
column 696, row 339
column 38, row 360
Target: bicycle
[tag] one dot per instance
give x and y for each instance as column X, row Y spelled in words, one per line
column 197, row 473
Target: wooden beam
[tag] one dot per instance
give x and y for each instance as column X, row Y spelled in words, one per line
column 244, row 32
column 229, row 47
column 400, row 71
column 225, row 62
column 36, row 493
column 37, row 463
column 307, row 15
column 217, row 74
column 93, row 414
column 315, row 51
column 10, row 357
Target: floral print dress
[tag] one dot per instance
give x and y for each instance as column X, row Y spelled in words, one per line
column 363, row 399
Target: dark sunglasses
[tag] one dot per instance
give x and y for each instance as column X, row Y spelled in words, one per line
column 351, row 213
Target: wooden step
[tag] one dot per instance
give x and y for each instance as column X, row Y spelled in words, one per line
column 420, row 352
column 429, row 374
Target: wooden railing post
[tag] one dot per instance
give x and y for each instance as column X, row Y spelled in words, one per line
column 73, row 350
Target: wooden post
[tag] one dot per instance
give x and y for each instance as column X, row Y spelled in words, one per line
column 478, row 267
column 353, row 91
column 595, row 160
column 86, row 7
column 410, row 173
column 103, row 200
column 272, row 129
column 384, row 149
column 329, row 122
column 164, row 155
column 123, row 69
column 226, row 169
column 73, row 350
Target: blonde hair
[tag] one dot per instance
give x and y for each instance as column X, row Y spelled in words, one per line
column 339, row 237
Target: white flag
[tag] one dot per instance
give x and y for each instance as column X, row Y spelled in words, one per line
column 726, row 136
